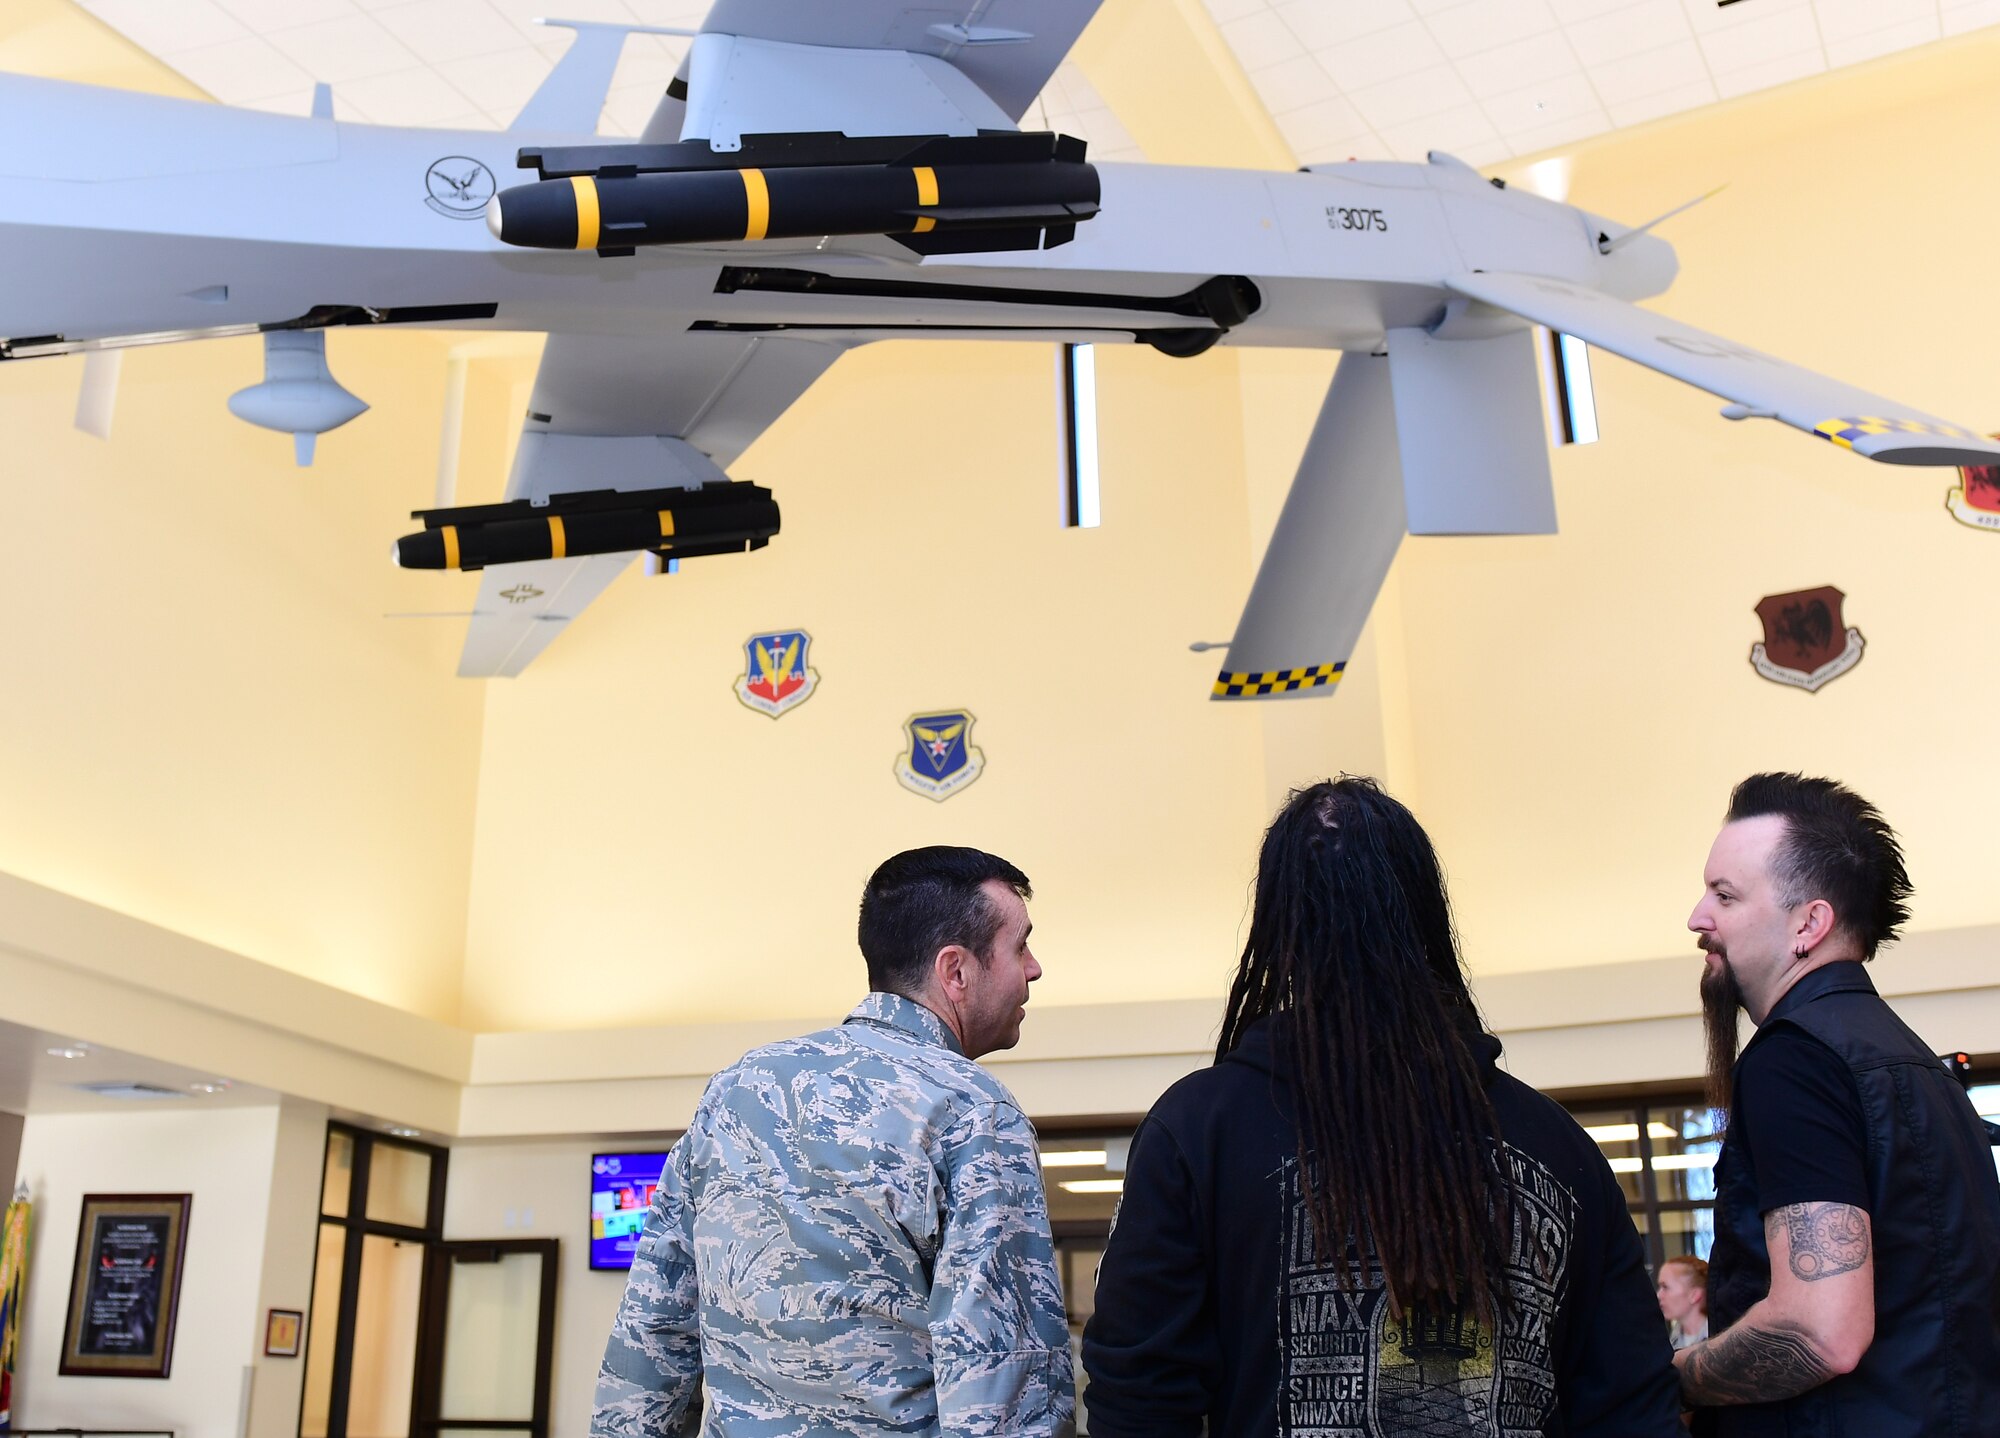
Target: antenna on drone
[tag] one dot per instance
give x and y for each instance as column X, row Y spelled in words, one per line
column 1607, row 243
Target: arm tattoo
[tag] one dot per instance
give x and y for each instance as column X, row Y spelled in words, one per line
column 1753, row 1365
column 1826, row 1238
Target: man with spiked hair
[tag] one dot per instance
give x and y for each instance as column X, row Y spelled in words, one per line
column 1855, row 1282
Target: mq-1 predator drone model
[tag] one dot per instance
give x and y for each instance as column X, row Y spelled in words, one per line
column 818, row 176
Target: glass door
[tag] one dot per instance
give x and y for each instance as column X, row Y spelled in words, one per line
column 487, row 1339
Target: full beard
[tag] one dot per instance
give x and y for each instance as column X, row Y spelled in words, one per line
column 1720, row 1000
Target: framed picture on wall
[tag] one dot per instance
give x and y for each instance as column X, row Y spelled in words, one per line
column 282, row 1327
column 125, row 1289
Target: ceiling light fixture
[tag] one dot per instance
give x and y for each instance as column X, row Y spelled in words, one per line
column 1074, row 1158
column 1094, row 1185
column 397, row 1131
column 208, row 1086
column 69, row 1051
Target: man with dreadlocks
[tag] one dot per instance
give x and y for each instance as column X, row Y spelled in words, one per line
column 1354, row 1223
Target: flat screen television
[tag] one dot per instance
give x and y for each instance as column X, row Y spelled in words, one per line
column 621, row 1190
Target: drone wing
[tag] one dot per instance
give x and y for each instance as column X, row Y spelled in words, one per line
column 623, row 413
column 1764, row 387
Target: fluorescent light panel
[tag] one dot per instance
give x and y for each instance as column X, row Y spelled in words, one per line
column 1626, row 1132
column 1075, row 1158
column 1076, row 370
column 1093, row 1185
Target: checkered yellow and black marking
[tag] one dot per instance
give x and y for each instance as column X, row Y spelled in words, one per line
column 1845, row 431
column 1275, row 681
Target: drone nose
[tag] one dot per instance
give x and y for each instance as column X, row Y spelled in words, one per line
column 493, row 219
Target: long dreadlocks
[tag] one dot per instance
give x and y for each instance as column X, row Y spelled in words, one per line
column 1353, row 953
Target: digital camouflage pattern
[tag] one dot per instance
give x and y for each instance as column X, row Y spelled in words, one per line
column 851, row 1238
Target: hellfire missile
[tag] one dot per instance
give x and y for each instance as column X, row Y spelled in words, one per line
column 721, row 518
column 937, row 194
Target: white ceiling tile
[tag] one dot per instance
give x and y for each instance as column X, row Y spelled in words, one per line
column 685, row 14
column 522, row 14
column 1847, row 19
column 239, row 71
column 1261, row 40
column 1560, row 132
column 1291, row 84
column 1572, row 12
column 1538, row 106
column 501, row 83
column 1480, row 156
column 1525, row 62
column 1666, row 102
column 1973, row 15
column 1314, row 127
column 341, row 50
column 1320, row 23
column 1429, row 92
column 1449, row 130
column 1477, row 25
column 407, row 97
column 1853, row 49
column 1077, row 89
column 629, row 109
column 439, row 30
column 1671, row 67
column 264, row 16
column 1386, row 55
column 1774, row 37
column 1707, row 16
column 1223, row 11
column 163, row 29
column 1106, row 137
column 1431, row 7
column 1779, row 71
column 1630, row 31
column 648, row 60
column 1366, row 146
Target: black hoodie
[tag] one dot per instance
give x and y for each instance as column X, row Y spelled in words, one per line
column 1213, row 1308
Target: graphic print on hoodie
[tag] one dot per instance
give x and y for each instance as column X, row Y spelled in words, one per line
column 1353, row 1369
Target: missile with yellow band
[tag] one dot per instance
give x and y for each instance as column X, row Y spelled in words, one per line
column 977, row 189
column 681, row 523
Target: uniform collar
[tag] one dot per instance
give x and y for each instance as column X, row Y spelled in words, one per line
column 1847, row 976
column 893, row 1011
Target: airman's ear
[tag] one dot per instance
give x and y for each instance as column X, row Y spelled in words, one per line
column 949, row 969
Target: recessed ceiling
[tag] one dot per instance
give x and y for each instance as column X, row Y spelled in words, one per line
column 35, row 1080
column 1366, row 79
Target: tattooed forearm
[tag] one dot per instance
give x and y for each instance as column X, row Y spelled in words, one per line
column 1826, row 1238
column 1753, row 1365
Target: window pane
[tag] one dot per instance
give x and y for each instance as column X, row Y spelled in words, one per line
column 1616, row 1132
column 1687, row 1230
column 1083, row 1176
column 399, row 1184
column 492, row 1317
column 339, row 1180
column 1685, row 1146
column 385, row 1337
column 320, row 1325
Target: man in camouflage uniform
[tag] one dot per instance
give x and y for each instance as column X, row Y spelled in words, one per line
column 851, row 1237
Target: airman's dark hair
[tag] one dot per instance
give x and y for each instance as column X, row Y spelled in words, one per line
column 923, row 900
column 1837, row 847
column 1353, row 956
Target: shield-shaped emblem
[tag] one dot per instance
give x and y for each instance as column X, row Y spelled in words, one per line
column 1806, row 644
column 938, row 758
column 775, row 675
column 1976, row 501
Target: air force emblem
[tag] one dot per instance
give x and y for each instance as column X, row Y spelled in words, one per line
column 939, row 759
column 1976, row 501
column 775, row 677
column 1806, row 644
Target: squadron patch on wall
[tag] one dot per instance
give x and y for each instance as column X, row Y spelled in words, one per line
column 938, row 759
column 775, row 677
column 1806, row 643
column 1976, row 501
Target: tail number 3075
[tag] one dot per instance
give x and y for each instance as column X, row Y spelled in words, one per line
column 1339, row 217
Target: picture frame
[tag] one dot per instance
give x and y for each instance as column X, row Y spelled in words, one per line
column 125, row 1285
column 284, row 1332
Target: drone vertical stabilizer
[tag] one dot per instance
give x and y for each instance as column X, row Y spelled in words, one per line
column 1336, row 537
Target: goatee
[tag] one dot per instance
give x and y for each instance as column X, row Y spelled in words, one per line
column 1720, row 1000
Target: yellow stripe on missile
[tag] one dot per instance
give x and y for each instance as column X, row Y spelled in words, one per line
column 450, row 536
column 757, row 200
column 588, row 220
column 558, row 541
column 927, row 194
column 666, row 524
